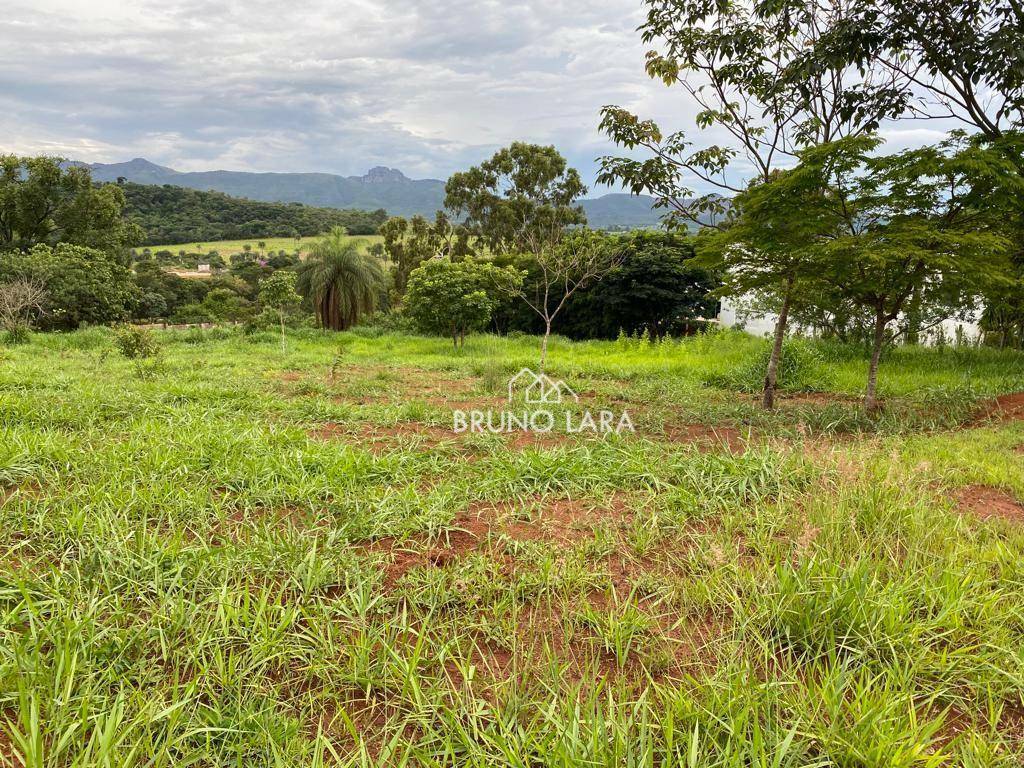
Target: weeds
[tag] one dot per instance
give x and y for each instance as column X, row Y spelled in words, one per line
column 194, row 571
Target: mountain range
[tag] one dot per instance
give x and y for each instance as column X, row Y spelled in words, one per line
column 380, row 187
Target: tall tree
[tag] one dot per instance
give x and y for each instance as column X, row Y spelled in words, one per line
column 341, row 280
column 409, row 242
column 44, row 203
column 735, row 60
column 522, row 199
column 959, row 59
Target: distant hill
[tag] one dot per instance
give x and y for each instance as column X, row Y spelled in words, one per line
column 386, row 188
column 170, row 214
column 620, row 211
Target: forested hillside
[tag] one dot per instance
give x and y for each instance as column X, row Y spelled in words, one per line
column 170, row 214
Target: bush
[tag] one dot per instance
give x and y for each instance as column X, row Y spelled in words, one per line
column 135, row 343
column 801, row 369
column 17, row 334
column 192, row 313
column 83, row 285
column 453, row 298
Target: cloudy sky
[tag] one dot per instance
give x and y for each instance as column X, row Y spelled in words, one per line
column 427, row 86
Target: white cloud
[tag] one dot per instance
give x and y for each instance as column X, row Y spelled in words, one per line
column 429, row 86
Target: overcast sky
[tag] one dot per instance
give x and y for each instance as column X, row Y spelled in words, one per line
column 427, row 86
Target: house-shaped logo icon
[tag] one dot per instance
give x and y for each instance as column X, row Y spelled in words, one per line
column 539, row 388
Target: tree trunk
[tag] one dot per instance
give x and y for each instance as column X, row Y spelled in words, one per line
column 772, row 374
column 914, row 317
column 282, row 332
column 870, row 398
column 544, row 345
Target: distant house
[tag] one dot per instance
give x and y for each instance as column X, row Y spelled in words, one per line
column 203, row 268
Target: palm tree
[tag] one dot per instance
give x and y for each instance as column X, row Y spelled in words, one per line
column 341, row 280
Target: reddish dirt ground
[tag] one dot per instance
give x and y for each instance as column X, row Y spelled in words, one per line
column 707, row 436
column 986, row 502
column 1004, row 408
column 560, row 521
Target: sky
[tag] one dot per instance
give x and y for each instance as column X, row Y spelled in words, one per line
column 426, row 86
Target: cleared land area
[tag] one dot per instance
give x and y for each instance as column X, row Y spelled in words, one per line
column 237, row 556
column 226, row 248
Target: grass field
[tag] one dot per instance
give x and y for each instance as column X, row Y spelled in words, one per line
column 237, row 556
column 228, row 247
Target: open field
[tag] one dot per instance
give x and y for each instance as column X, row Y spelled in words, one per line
column 228, row 247
column 238, row 556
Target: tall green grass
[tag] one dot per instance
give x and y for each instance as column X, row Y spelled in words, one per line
column 191, row 574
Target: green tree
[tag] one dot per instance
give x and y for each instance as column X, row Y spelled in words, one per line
column 83, row 285
column 454, row 298
column 909, row 231
column 43, row 203
column 652, row 289
column 226, row 304
column 340, row 280
column 734, row 60
column 277, row 292
column 522, row 199
column 767, row 245
column 961, row 59
column 410, row 242
column 563, row 267
column 868, row 232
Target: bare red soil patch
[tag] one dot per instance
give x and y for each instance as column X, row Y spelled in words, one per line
column 986, row 502
column 1004, row 408
column 561, row 521
column 706, row 436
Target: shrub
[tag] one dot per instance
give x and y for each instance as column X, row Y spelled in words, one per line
column 192, row 313
column 18, row 333
column 135, row 343
column 454, row 297
column 801, row 369
column 83, row 285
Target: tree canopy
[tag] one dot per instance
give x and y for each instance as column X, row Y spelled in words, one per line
column 44, row 202
column 171, row 214
column 455, row 297
column 82, row 285
column 521, row 199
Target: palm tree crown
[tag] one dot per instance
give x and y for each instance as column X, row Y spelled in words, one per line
column 341, row 280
